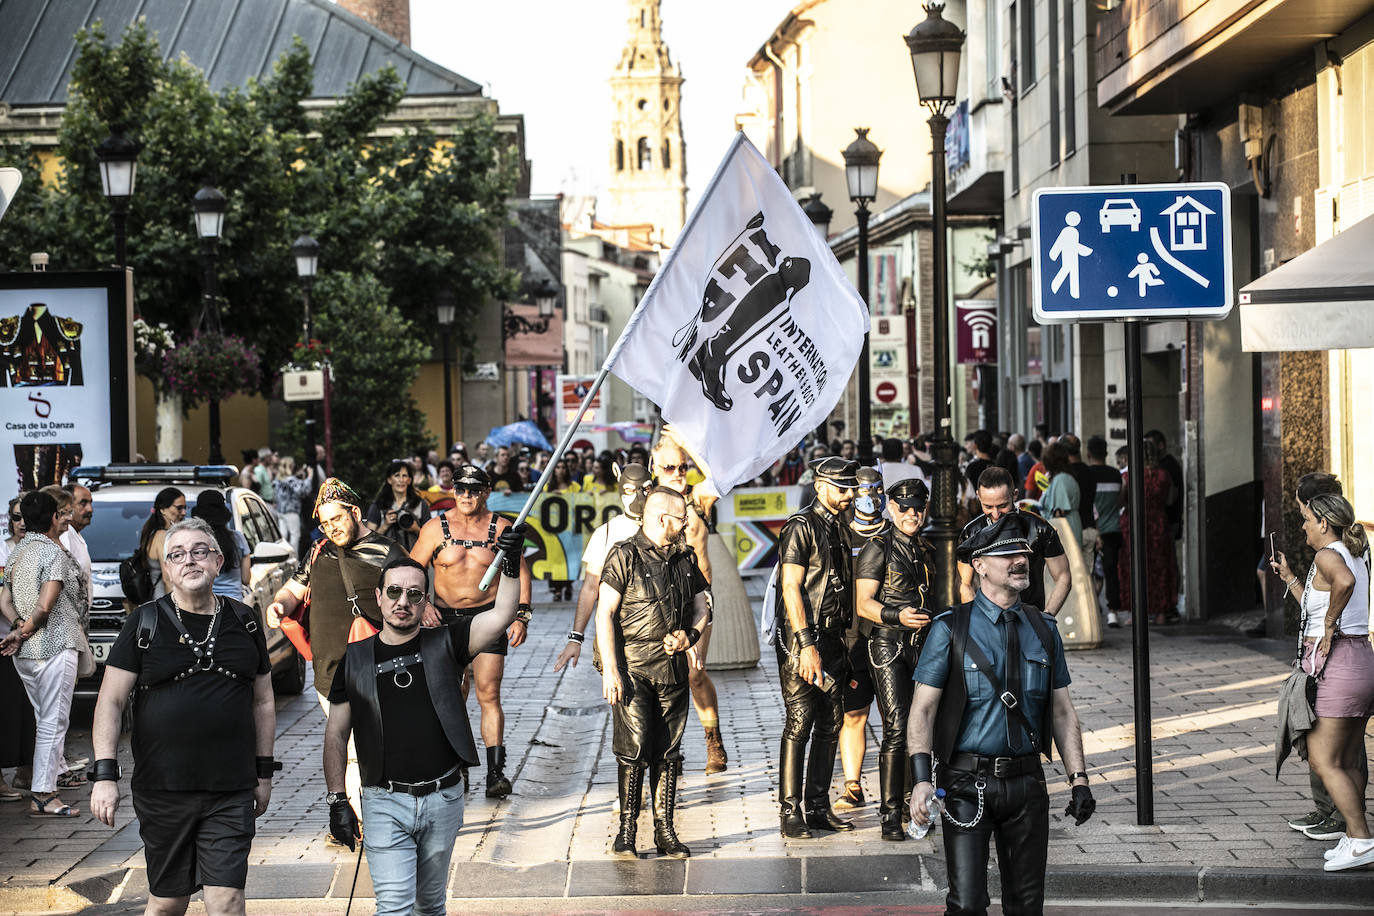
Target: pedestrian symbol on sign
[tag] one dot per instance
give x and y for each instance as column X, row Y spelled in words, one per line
column 1067, row 250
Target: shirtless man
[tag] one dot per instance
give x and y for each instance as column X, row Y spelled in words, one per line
column 460, row 545
column 670, row 464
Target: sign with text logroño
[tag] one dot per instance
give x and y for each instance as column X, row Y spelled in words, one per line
column 66, row 390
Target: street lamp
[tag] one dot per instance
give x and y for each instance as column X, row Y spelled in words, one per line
column 118, row 157
column 819, row 214
column 446, row 310
column 934, row 44
column 208, row 208
column 861, row 174
column 545, row 297
column 306, row 251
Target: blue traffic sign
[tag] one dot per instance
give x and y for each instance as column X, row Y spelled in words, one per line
column 1131, row 251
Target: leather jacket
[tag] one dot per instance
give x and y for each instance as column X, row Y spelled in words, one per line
column 818, row 541
column 901, row 564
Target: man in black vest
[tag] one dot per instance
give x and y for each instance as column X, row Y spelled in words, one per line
column 891, row 578
column 650, row 611
column 815, row 607
column 397, row 693
column 992, row 688
column 997, row 498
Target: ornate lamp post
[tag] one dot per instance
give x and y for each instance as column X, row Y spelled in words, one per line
column 306, row 251
column 935, row 44
column 861, row 174
column 446, row 310
column 208, row 207
column 118, row 157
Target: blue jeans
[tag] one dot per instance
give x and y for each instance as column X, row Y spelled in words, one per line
column 409, row 843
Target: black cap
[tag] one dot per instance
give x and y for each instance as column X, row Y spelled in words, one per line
column 1004, row 537
column 836, row 472
column 910, row 493
column 470, row 475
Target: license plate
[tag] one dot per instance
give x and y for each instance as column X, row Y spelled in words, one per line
column 100, row 651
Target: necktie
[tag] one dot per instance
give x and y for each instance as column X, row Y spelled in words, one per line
column 1011, row 642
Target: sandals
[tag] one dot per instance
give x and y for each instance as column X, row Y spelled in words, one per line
column 40, row 808
column 71, row 780
column 7, row 793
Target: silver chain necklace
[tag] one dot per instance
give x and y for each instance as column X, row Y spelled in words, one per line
column 200, row 648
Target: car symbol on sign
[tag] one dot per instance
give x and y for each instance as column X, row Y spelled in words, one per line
column 1119, row 211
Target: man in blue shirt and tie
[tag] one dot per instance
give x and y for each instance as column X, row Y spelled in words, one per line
column 992, row 688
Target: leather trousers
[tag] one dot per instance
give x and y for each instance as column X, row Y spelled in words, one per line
column 813, row 713
column 647, row 725
column 1015, row 815
column 892, row 655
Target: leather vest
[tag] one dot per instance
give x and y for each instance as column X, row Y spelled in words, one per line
column 908, row 577
column 828, row 583
column 442, row 676
column 657, row 600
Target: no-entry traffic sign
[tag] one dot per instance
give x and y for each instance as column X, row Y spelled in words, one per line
column 885, row 392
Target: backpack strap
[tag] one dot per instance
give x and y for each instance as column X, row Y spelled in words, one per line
column 148, row 613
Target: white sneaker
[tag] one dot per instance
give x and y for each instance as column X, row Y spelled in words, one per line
column 1331, row 853
column 1112, row 620
column 1352, row 854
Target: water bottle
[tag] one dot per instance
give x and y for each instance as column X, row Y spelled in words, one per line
column 935, row 806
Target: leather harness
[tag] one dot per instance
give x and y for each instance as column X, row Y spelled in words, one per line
column 450, row 541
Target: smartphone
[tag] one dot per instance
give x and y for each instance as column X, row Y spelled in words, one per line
column 1272, row 554
column 827, row 681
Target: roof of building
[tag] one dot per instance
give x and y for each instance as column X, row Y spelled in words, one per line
column 231, row 40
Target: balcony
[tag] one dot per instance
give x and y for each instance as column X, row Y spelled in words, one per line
column 598, row 315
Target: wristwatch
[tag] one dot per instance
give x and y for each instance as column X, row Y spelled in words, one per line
column 524, row 613
column 333, row 798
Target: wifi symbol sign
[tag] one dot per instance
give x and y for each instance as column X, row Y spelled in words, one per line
column 977, row 331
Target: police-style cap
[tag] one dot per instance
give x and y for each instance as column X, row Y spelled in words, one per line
column 470, row 475
column 868, row 478
column 911, row 493
column 836, row 472
column 1004, row 537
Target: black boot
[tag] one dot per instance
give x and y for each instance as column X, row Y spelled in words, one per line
column 708, row 365
column 631, row 783
column 891, row 780
column 820, row 770
column 791, row 776
column 665, row 798
column 498, row 786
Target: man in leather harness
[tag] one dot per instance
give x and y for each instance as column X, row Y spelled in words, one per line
column 395, row 693
column 992, row 688
column 816, row 601
column 650, row 611
column 891, row 578
column 460, row 545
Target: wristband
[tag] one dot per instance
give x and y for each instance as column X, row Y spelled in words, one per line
column 920, row 768
column 574, row 636
column 524, row 613
column 336, row 798
column 266, row 766
column 891, row 616
column 1289, row 583
column 806, row 637
column 106, row 768
column 693, row 636
column 1079, row 775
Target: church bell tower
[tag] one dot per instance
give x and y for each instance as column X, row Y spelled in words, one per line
column 648, row 163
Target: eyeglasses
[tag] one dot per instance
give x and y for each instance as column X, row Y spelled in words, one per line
column 198, row 553
column 674, row 468
column 16, row 518
column 468, row 491
column 416, row 596
column 676, row 518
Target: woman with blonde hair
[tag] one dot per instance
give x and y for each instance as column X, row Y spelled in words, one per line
column 1337, row 651
column 291, row 488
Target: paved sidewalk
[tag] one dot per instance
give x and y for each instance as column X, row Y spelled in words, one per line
column 1219, row 831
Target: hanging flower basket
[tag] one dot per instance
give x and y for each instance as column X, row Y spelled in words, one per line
column 152, row 343
column 307, row 356
column 211, row 367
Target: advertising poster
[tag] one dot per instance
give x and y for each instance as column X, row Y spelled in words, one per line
column 65, row 384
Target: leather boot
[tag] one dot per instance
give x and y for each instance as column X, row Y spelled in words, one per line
column 820, row 770
column 665, row 798
column 791, row 777
column 498, row 786
column 708, row 365
column 891, row 777
column 631, row 784
column 715, row 752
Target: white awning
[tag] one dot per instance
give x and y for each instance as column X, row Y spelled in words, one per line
column 1321, row 300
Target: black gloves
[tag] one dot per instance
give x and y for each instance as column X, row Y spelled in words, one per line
column 1082, row 806
column 512, row 544
column 343, row 824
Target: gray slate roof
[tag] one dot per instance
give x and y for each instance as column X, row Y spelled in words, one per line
column 231, row 40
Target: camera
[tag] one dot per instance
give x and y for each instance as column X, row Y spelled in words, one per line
column 404, row 519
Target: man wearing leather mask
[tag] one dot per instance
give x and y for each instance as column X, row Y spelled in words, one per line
column 891, row 579
column 815, row 608
column 870, row 502
column 987, row 745
column 634, row 484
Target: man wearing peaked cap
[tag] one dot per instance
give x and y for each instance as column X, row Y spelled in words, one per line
column 815, row 606
column 996, row 496
column 984, row 747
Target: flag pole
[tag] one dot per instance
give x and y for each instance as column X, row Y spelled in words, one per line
column 614, row 354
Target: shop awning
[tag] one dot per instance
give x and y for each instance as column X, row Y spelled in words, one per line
column 1321, row 300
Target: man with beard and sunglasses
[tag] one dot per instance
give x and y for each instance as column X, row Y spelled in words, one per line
column 395, row 694
column 992, row 688
column 460, row 545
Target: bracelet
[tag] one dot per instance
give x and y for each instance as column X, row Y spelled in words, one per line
column 1079, row 775
column 920, row 768
column 1289, row 583
column 806, row 637
column 524, row 613
column 106, row 768
column 891, row 617
column 266, row 766
column 574, row 636
column 693, row 636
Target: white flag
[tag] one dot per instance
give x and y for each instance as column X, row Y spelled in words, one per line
column 748, row 334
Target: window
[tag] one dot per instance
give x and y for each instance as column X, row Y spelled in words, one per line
column 993, row 53
column 620, row 155
column 667, row 156
column 646, row 155
column 642, row 104
column 1027, row 69
column 1053, row 16
column 1070, row 87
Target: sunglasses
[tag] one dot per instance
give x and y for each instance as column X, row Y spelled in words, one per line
column 416, row 596
column 469, row 491
column 16, row 518
column 674, row 468
column 197, row 553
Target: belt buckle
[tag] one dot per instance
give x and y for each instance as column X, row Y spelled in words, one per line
column 998, row 764
column 1008, row 699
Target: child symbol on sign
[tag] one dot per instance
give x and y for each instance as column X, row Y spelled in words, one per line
column 1145, row 273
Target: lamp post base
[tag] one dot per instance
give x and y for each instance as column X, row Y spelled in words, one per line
column 942, row 533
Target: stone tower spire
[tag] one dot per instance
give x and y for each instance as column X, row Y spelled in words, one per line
column 648, row 161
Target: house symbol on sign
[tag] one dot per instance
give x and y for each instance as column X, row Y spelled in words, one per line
column 1187, row 224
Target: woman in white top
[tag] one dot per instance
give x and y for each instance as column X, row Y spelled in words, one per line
column 1335, row 604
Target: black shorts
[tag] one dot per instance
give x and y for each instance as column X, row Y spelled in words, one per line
column 194, row 839
column 858, row 689
column 498, row 646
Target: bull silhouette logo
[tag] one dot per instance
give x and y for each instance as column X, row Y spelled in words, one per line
column 751, row 286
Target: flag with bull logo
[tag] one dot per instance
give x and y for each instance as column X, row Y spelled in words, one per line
column 748, row 334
